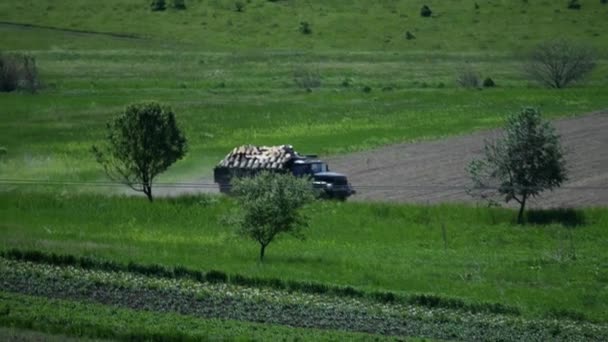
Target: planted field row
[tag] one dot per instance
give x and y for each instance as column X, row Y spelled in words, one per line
column 208, row 300
column 49, row 317
column 212, row 276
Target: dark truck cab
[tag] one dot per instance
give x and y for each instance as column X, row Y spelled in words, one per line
column 330, row 184
column 248, row 160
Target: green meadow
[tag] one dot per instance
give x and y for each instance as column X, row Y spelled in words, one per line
column 231, row 91
column 239, row 77
column 543, row 269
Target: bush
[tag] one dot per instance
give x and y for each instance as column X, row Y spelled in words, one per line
column 574, row 4
column 425, row 11
column 179, row 4
column 3, row 151
column 409, row 35
column 488, row 83
column 367, row 89
column 158, row 5
column 557, row 63
column 216, row 277
column 306, row 78
column 468, row 78
column 239, row 6
column 305, row 27
column 18, row 71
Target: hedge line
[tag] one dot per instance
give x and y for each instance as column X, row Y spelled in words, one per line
column 214, row 276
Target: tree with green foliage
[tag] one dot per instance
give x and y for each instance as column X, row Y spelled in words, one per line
column 527, row 160
column 270, row 204
column 141, row 143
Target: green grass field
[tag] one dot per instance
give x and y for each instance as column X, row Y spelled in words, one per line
column 540, row 268
column 230, row 78
column 229, row 92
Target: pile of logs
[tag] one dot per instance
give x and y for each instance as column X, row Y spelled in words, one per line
column 259, row 157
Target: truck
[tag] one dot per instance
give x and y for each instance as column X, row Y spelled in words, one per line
column 249, row 160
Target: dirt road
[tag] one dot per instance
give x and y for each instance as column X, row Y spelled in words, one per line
column 434, row 171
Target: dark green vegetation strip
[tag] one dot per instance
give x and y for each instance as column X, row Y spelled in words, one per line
column 277, row 307
column 431, row 301
column 551, row 269
column 24, row 335
column 82, row 319
column 118, row 35
column 335, row 24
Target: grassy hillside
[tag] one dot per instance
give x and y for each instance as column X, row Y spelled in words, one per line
column 358, row 25
column 233, row 78
column 230, row 75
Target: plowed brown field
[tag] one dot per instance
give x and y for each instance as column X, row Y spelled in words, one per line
column 435, row 171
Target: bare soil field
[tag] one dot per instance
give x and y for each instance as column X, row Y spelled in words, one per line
column 435, row 171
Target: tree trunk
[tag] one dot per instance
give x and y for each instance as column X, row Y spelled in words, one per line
column 520, row 216
column 148, row 192
column 262, row 249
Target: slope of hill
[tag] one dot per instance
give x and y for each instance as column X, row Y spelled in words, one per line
column 358, row 25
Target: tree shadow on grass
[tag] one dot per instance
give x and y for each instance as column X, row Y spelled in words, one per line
column 567, row 217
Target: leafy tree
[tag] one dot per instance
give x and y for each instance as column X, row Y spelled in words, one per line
column 558, row 63
column 141, row 143
column 524, row 162
column 269, row 205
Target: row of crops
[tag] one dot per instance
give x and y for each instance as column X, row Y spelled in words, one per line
column 205, row 301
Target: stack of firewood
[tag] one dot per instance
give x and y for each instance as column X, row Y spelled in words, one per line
column 259, row 157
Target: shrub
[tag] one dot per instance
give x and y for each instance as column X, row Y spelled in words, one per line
column 306, row 78
column 239, row 6
column 468, row 78
column 367, row 89
column 603, row 2
column 18, row 71
column 409, row 35
column 488, row 83
column 346, row 82
column 558, row 63
column 574, row 4
column 305, row 27
column 158, row 5
column 3, row 151
column 216, row 277
column 179, row 4
column 425, row 11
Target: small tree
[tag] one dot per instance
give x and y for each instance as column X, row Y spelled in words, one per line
column 141, row 143
column 270, row 204
column 574, row 4
column 468, row 78
column 526, row 161
column 305, row 27
column 558, row 63
column 425, row 11
column 179, row 4
column 158, row 5
column 18, row 71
